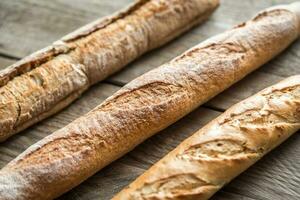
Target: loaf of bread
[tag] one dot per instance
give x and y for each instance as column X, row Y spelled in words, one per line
column 145, row 106
column 224, row 148
column 47, row 81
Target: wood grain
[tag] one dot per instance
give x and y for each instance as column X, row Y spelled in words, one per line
column 5, row 62
column 28, row 25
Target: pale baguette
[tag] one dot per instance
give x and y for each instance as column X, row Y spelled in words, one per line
column 49, row 80
column 145, row 106
column 224, row 148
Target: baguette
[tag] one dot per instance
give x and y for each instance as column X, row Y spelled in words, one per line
column 224, row 148
column 49, row 80
column 145, row 106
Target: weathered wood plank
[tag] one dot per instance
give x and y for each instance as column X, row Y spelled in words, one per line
column 284, row 65
column 250, row 85
column 287, row 63
column 5, row 62
column 26, row 26
column 223, row 195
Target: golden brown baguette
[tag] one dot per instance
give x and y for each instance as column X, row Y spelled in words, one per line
column 145, row 106
column 224, row 148
column 47, row 81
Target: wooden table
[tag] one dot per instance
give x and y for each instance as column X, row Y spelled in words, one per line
column 28, row 25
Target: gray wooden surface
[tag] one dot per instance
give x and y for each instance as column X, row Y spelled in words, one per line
column 28, row 25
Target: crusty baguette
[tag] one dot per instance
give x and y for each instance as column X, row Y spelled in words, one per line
column 224, row 148
column 145, row 106
column 47, row 81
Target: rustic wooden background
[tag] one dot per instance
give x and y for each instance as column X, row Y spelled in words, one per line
column 28, row 25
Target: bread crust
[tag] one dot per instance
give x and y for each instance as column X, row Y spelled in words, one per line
column 145, row 106
column 224, row 148
column 50, row 79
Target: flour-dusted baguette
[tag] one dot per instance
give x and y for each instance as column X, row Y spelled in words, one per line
column 224, row 148
column 145, row 106
column 47, row 81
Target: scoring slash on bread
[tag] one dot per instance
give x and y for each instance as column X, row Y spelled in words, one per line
column 49, row 80
column 224, row 148
column 147, row 105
